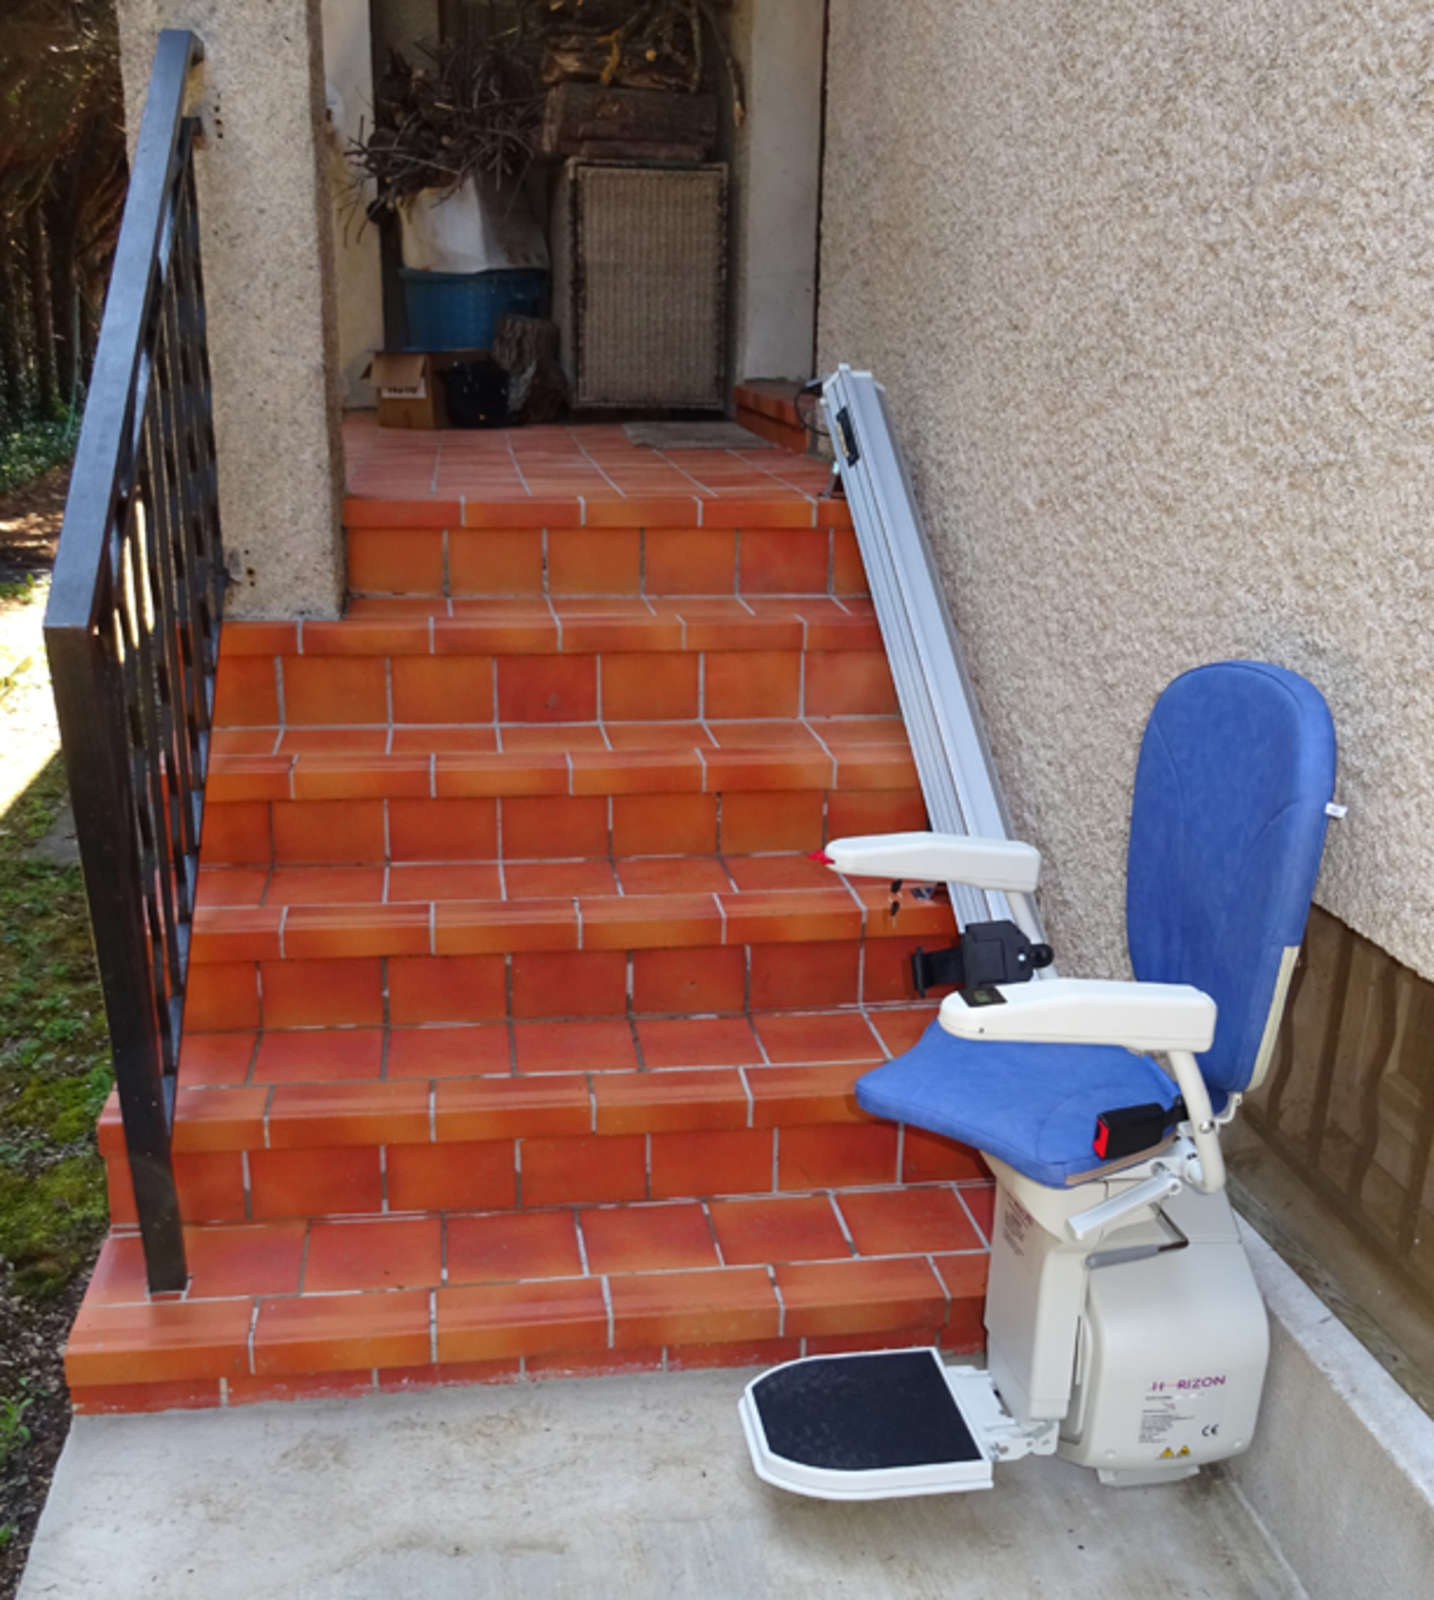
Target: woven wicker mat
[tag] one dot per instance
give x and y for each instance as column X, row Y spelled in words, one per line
column 694, row 436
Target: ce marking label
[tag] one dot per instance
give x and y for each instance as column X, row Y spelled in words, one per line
column 1210, row 1430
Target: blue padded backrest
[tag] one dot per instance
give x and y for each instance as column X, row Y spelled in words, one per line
column 1226, row 832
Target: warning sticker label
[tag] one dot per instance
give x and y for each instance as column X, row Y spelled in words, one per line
column 1015, row 1224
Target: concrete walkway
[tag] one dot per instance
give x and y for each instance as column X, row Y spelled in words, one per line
column 621, row 1487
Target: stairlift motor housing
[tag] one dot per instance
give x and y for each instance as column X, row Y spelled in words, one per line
column 1144, row 1342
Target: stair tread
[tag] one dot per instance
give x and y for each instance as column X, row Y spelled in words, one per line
column 602, row 877
column 495, row 1079
column 595, row 758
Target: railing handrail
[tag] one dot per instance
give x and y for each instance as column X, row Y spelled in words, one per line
column 132, row 633
column 105, row 452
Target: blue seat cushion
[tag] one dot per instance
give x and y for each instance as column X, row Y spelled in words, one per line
column 1031, row 1105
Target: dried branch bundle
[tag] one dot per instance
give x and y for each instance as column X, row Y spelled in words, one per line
column 473, row 109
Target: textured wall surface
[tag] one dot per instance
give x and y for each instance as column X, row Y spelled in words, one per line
column 1151, row 288
column 776, row 173
column 268, row 251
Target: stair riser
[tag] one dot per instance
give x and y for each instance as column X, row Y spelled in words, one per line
column 535, row 1173
column 785, row 435
column 653, row 561
column 961, row 1334
column 479, row 688
column 545, row 827
column 528, row 986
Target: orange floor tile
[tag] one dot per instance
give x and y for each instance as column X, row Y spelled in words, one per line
column 522, row 1031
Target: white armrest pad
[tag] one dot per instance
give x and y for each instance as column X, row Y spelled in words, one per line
column 939, row 858
column 1140, row 1016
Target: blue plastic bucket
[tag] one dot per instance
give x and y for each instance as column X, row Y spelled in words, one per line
column 462, row 310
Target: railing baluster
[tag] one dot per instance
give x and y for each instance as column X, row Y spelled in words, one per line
column 191, row 712
column 132, row 630
column 183, row 836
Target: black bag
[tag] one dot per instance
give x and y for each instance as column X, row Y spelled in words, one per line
column 477, row 394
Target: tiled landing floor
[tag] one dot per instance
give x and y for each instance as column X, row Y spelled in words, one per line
column 594, row 461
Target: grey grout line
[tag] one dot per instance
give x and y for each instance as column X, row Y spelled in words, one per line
column 841, row 1222
column 712, row 1229
column 976, row 1227
column 249, row 1341
column 871, row 1026
column 826, row 750
column 517, row 466
column 781, row 1303
column 582, row 1242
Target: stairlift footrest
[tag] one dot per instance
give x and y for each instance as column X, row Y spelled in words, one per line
column 867, row 1426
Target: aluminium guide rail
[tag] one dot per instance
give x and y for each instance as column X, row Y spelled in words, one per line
column 938, row 704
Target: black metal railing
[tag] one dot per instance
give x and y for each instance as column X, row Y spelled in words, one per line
column 132, row 632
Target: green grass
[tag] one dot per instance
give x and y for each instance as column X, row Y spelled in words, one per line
column 54, row 1057
column 14, row 1435
column 21, row 588
column 28, row 451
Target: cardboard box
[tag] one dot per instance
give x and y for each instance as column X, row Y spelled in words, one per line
column 409, row 385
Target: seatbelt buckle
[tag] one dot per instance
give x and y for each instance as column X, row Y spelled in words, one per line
column 1127, row 1130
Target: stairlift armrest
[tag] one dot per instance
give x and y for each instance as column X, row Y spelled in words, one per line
column 939, row 858
column 1140, row 1016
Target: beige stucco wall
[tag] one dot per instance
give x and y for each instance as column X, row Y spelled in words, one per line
column 1151, row 288
column 265, row 214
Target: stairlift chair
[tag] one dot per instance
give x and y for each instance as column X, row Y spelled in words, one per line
column 1126, row 1332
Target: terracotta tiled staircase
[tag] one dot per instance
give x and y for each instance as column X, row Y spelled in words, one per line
column 521, row 1031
